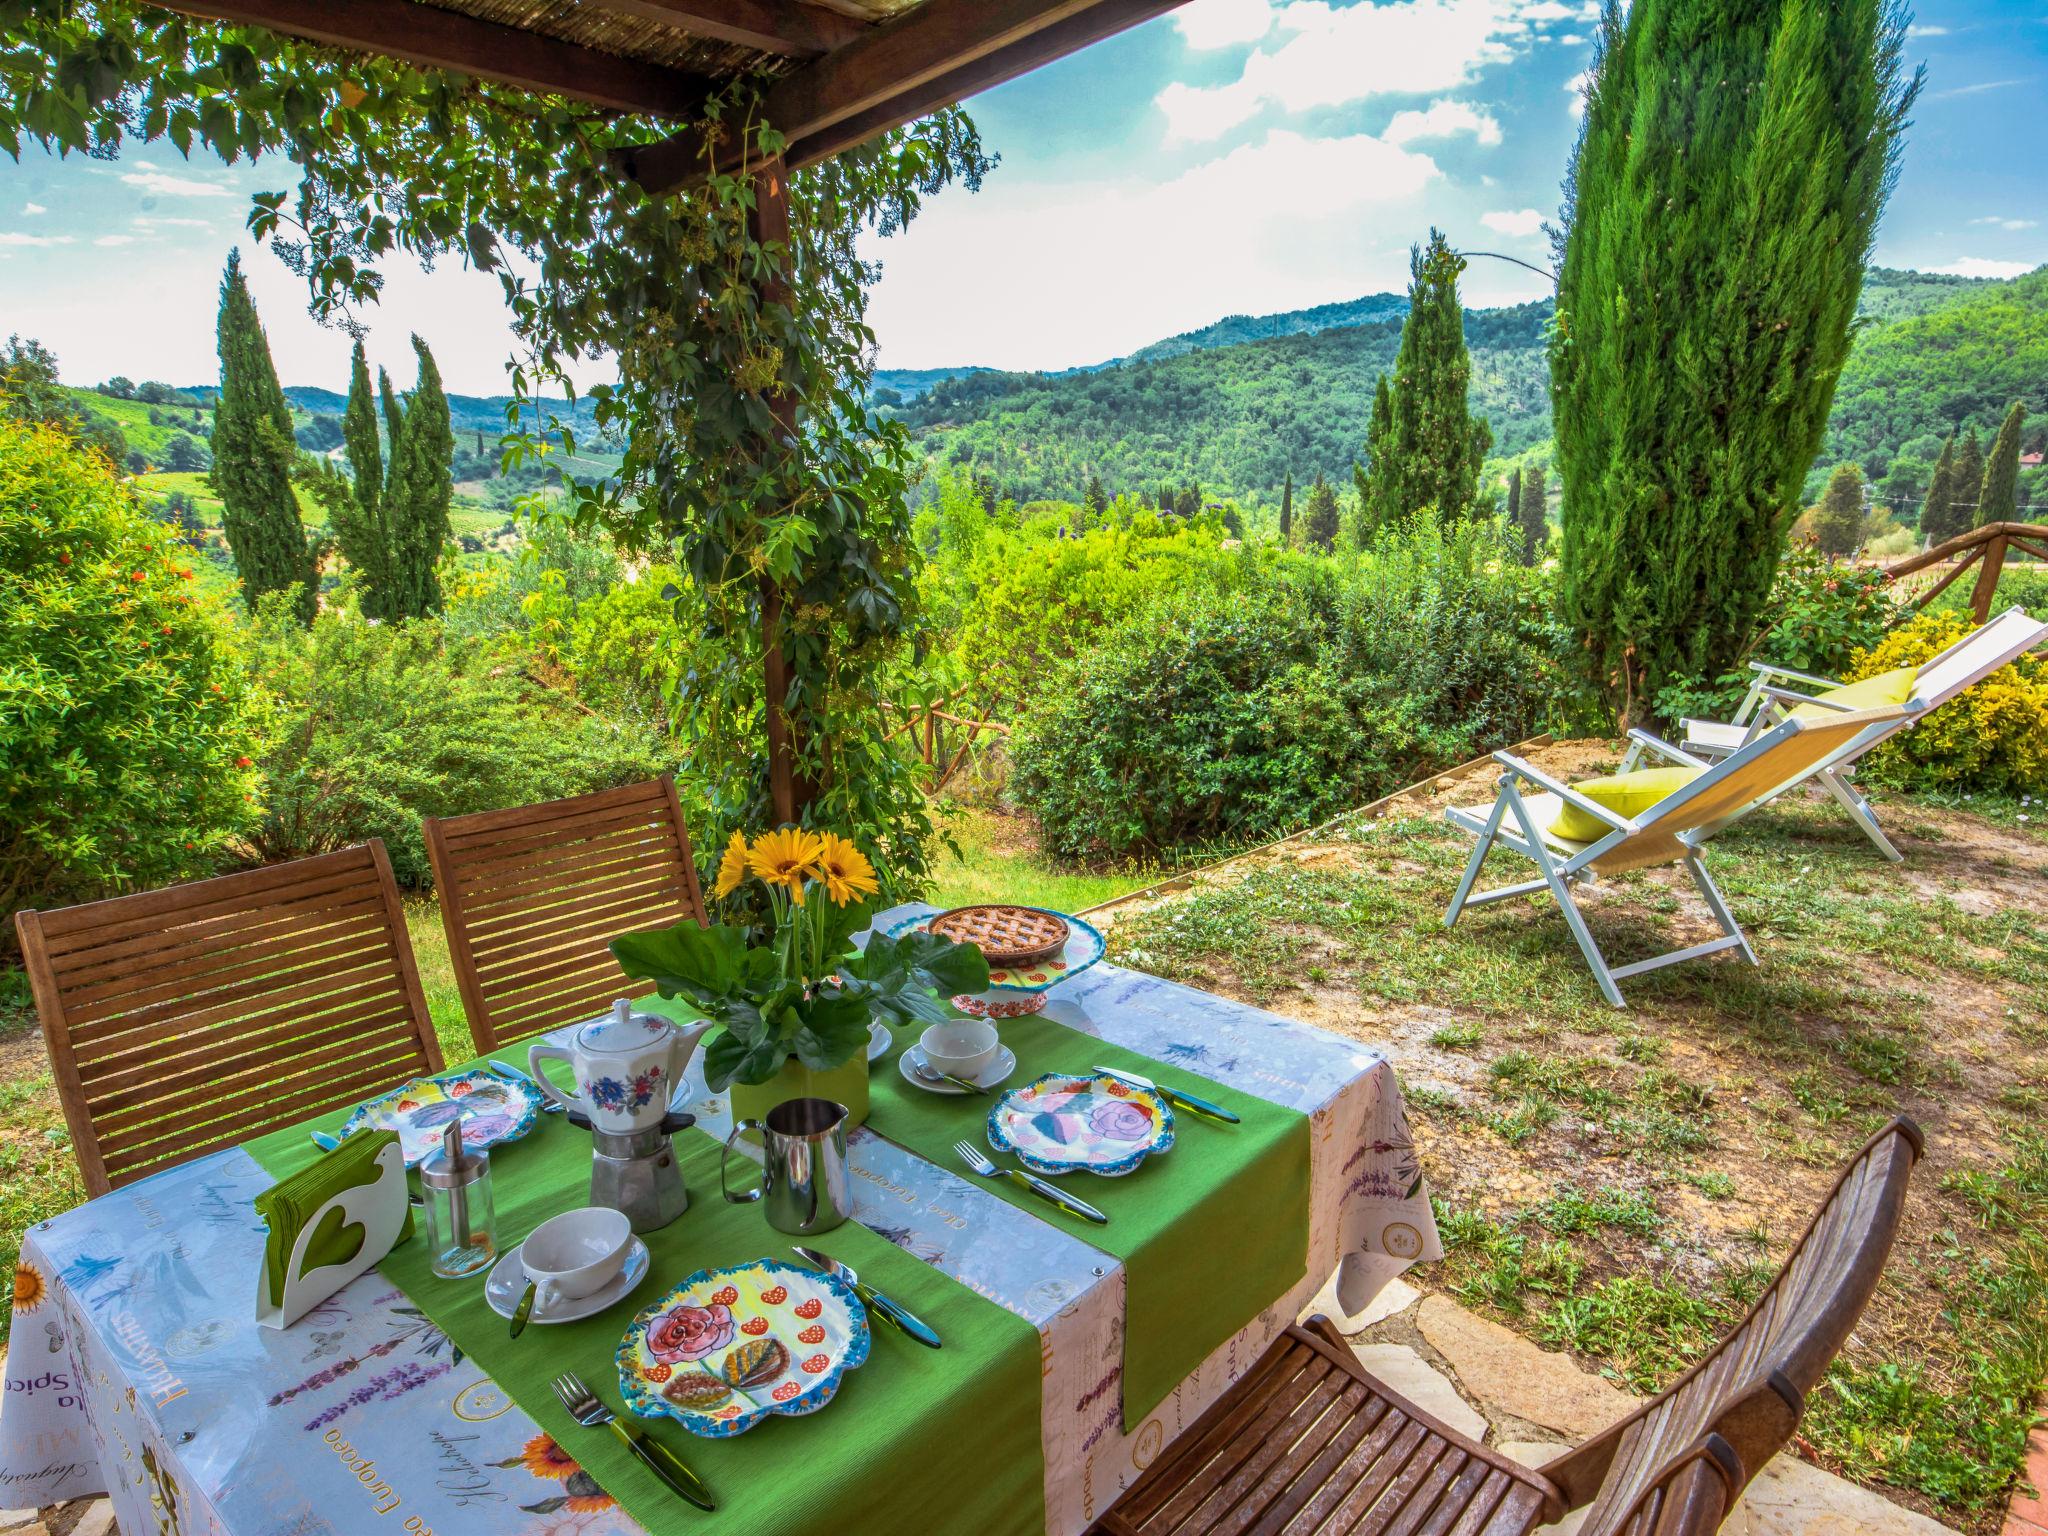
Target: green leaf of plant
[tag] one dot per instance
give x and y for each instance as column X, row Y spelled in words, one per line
column 901, row 974
column 705, row 964
column 834, row 1030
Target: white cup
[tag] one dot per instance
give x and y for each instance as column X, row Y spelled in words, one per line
column 576, row 1253
column 962, row 1047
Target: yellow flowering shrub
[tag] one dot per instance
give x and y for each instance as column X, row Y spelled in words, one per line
column 1992, row 737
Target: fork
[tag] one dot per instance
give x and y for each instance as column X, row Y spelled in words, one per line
column 587, row 1409
column 973, row 1157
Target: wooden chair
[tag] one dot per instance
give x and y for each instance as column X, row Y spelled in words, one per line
column 185, row 1020
column 1309, row 1444
column 532, row 897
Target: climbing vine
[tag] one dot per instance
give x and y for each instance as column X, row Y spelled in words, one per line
column 720, row 337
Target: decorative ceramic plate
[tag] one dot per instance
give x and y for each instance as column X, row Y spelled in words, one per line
column 492, row 1109
column 1021, row 989
column 1064, row 1123
column 730, row 1346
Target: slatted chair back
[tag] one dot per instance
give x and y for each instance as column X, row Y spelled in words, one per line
column 185, row 1020
column 1750, row 1392
column 1759, row 771
column 533, row 896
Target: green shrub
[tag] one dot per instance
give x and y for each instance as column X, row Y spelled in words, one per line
column 1994, row 737
column 380, row 725
column 127, row 724
column 2022, row 583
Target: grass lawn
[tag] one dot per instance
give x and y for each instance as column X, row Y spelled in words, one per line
column 1621, row 1184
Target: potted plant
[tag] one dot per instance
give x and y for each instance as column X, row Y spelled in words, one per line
column 796, row 1008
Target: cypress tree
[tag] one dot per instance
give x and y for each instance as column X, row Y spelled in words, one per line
column 1287, row 511
column 1319, row 526
column 1513, row 511
column 1732, row 164
column 1383, row 509
column 394, row 411
column 1094, row 499
column 357, row 510
column 253, row 457
column 1968, row 484
column 1937, row 514
column 1531, row 514
column 1438, row 445
column 417, row 493
column 1999, row 500
column 1838, row 520
column 1360, row 531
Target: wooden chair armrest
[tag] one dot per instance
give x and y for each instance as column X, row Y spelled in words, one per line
column 1563, row 791
column 1663, row 748
column 1765, row 669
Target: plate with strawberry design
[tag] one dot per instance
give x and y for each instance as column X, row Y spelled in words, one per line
column 730, row 1346
column 492, row 1110
column 1066, row 1123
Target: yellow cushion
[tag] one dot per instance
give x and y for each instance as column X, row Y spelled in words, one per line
column 1893, row 687
column 1625, row 794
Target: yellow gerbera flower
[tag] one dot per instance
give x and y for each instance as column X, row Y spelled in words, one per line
column 848, row 874
column 732, row 869
column 785, row 857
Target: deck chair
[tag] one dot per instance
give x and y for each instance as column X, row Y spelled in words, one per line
column 1669, row 832
column 532, row 897
column 189, row 1019
column 1308, row 1443
column 1962, row 666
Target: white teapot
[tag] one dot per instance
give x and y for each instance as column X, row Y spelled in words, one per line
column 627, row 1067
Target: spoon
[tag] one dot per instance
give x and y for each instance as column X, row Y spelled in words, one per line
column 931, row 1074
column 524, row 1310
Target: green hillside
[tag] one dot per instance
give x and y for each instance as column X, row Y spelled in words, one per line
column 1236, row 411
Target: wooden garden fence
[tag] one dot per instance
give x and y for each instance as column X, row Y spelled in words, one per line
column 943, row 736
column 1985, row 548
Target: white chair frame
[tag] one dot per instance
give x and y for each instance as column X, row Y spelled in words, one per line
column 1940, row 678
column 1671, row 831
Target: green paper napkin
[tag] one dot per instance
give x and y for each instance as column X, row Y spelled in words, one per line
column 290, row 1203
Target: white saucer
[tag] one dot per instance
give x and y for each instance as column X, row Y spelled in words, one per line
column 994, row 1074
column 879, row 1040
column 507, row 1283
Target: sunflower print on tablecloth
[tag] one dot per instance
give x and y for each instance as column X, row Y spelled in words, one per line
column 548, row 1461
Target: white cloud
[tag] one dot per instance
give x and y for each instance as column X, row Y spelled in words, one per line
column 1221, row 23
column 1549, row 10
column 1526, row 221
column 33, row 208
column 151, row 221
column 163, row 185
column 1576, row 88
column 1570, row 39
column 14, row 237
column 1444, row 119
column 116, row 240
column 1339, row 55
column 2002, row 223
column 1919, row 31
column 1310, row 221
column 1978, row 266
column 1975, row 90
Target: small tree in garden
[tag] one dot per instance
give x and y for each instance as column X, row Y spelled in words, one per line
column 1379, row 500
column 1938, row 516
column 1319, row 527
column 1512, row 511
column 418, row 492
column 253, row 456
column 1436, row 445
column 1532, row 514
column 1999, row 499
column 1838, row 520
column 1730, row 172
column 127, row 742
column 1287, row 511
column 1967, row 487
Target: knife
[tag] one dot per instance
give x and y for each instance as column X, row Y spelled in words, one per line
column 506, row 1070
column 888, row 1311
column 1186, row 1101
column 1072, row 1204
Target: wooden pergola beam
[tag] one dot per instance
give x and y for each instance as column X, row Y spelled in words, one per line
column 436, row 39
column 770, row 26
column 940, row 53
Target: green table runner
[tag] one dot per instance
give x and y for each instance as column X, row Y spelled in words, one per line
column 946, row 1439
column 1210, row 1234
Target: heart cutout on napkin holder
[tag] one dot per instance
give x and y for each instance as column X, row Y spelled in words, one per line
column 376, row 1209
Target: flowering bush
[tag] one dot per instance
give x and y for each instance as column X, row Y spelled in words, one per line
column 128, row 729
column 1994, row 737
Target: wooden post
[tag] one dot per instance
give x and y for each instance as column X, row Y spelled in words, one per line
column 769, row 224
column 1987, row 576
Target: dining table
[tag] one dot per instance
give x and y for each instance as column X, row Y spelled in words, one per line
column 1075, row 1353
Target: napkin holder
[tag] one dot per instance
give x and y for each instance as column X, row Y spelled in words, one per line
column 379, row 1206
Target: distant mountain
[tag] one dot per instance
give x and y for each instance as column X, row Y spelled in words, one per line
column 1239, row 405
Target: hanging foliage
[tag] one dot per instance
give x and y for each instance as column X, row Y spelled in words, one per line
column 743, row 361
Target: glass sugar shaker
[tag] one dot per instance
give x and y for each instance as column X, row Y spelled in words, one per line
column 462, row 1225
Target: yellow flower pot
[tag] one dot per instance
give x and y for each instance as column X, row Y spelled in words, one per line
column 846, row 1085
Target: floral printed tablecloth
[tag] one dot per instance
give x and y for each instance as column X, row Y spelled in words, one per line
column 136, row 1368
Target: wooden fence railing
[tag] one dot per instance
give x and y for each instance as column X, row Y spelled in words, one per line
column 1984, row 548
column 944, row 738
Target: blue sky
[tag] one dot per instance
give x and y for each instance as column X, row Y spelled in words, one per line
column 1237, row 156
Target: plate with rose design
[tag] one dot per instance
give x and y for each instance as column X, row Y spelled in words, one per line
column 492, row 1109
column 728, row 1347
column 1064, row 1123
